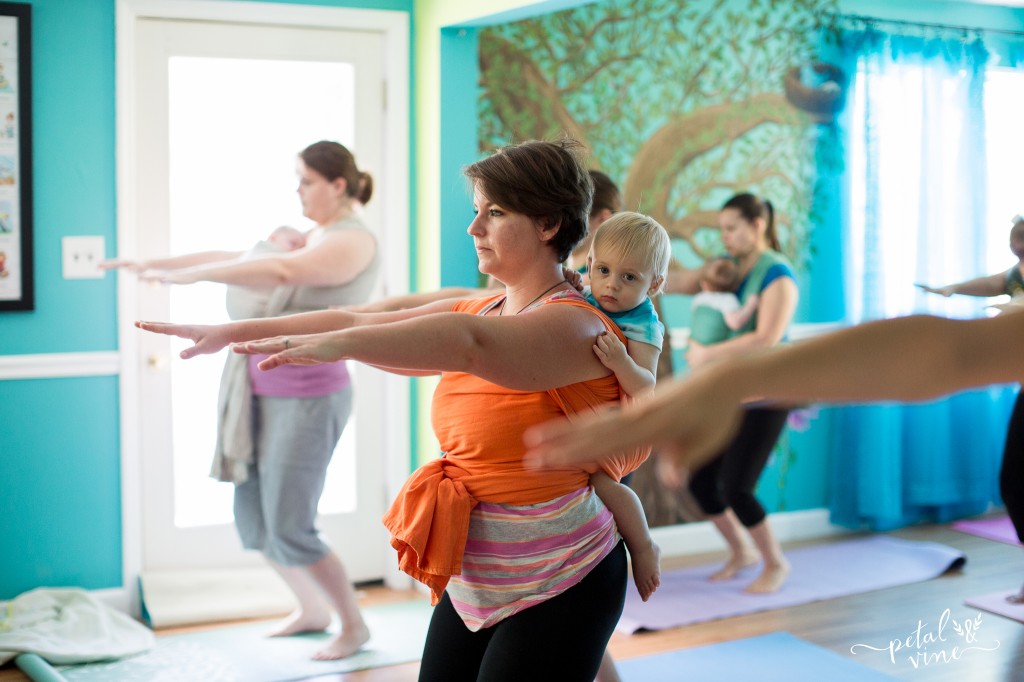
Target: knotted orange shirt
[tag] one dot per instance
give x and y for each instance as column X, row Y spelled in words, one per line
column 480, row 427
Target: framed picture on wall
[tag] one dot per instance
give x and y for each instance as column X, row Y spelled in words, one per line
column 16, row 285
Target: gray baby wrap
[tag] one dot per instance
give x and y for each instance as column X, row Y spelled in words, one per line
column 234, row 448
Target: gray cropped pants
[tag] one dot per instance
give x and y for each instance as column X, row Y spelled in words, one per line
column 294, row 439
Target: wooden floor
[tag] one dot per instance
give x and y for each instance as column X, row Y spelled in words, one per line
column 873, row 618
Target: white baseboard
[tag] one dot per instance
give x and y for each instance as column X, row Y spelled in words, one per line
column 700, row 537
column 118, row 598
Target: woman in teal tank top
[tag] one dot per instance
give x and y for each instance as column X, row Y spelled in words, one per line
column 724, row 487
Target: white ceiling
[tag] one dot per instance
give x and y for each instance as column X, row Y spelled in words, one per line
column 1004, row 3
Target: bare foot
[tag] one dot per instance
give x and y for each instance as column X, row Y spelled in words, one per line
column 770, row 580
column 344, row 645
column 646, row 565
column 299, row 621
column 734, row 565
column 1016, row 598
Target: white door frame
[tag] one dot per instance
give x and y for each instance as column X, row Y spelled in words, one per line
column 395, row 175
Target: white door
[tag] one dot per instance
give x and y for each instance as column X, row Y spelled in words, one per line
column 221, row 111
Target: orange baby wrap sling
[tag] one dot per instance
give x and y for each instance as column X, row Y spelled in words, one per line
column 429, row 519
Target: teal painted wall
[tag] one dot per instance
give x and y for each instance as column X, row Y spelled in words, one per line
column 459, row 97
column 61, row 472
column 59, row 438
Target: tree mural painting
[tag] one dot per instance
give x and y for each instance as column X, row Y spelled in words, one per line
column 684, row 102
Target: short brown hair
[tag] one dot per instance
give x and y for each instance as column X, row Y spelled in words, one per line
column 606, row 194
column 545, row 181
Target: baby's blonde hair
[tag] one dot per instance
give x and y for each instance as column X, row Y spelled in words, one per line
column 635, row 234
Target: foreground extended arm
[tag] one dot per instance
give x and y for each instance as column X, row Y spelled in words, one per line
column 905, row 359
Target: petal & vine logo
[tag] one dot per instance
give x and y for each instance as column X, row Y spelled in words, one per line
column 926, row 645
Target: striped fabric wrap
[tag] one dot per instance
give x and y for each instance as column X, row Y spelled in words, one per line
column 519, row 556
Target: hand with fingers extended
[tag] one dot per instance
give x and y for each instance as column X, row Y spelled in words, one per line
column 688, row 422
column 305, row 349
column 169, row 276
column 206, row 338
column 128, row 264
column 946, row 291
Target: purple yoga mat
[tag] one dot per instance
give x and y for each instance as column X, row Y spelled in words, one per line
column 996, row 528
column 996, row 603
column 835, row 569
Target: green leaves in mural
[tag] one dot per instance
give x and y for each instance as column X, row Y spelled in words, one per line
column 682, row 102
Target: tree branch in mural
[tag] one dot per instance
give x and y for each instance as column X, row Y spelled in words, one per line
column 666, row 153
column 534, row 109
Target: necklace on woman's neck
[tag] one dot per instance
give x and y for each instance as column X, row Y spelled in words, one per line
column 501, row 310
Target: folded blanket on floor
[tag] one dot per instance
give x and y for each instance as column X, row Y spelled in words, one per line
column 68, row 626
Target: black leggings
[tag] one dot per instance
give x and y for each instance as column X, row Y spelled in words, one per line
column 1011, row 475
column 729, row 479
column 562, row 638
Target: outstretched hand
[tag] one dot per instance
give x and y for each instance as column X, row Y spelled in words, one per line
column 121, row 264
column 686, row 421
column 942, row 291
column 179, row 276
column 306, row 349
column 205, row 338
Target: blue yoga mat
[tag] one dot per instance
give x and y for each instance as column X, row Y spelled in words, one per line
column 777, row 657
column 244, row 652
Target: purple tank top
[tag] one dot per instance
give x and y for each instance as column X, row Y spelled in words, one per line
column 298, row 381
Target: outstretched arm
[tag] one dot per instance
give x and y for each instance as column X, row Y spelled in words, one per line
column 171, row 263
column 547, row 348
column 989, row 285
column 682, row 280
column 905, row 359
column 414, row 300
column 332, row 260
column 210, row 338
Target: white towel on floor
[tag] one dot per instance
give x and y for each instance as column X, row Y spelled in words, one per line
column 68, row 626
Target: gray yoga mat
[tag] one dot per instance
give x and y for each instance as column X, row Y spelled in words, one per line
column 243, row 652
column 826, row 571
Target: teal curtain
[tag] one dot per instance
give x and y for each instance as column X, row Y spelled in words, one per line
column 914, row 131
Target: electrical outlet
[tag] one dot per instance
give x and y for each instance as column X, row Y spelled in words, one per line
column 81, row 257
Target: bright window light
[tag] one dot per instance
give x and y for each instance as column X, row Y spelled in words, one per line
column 900, row 98
column 1004, row 102
column 236, row 127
